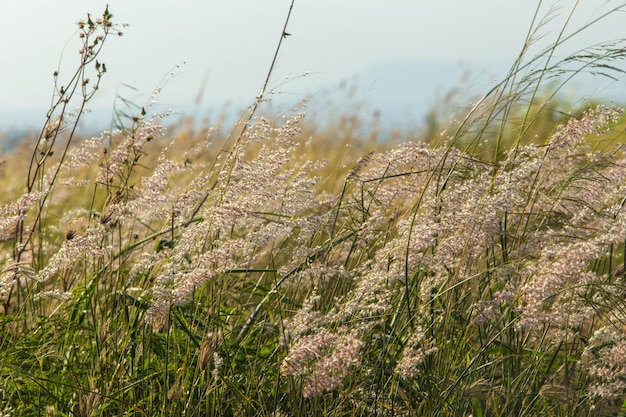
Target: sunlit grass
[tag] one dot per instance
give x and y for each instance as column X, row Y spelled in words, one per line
column 280, row 267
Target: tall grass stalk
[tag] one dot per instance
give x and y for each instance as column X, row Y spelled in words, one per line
column 144, row 273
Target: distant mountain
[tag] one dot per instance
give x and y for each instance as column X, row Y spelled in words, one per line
column 401, row 92
column 405, row 91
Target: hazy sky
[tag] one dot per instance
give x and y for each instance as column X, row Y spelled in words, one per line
column 227, row 45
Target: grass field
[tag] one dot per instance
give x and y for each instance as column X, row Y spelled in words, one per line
column 279, row 268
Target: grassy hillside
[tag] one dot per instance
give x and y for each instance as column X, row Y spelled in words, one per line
column 279, row 268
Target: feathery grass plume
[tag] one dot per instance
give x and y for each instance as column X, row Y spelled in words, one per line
column 354, row 172
column 322, row 360
column 256, row 203
column 413, row 355
column 14, row 271
column 590, row 189
column 121, row 160
column 606, row 357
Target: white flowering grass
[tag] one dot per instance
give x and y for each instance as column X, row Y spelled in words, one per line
column 277, row 272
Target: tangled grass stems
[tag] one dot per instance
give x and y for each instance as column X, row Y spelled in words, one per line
column 155, row 275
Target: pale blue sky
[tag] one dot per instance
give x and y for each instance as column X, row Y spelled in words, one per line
column 227, row 46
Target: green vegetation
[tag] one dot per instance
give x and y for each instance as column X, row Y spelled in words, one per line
column 287, row 269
